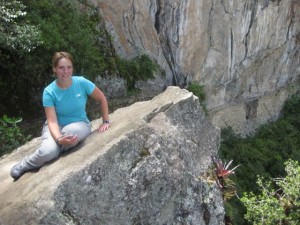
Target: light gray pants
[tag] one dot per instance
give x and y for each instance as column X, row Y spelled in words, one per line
column 49, row 149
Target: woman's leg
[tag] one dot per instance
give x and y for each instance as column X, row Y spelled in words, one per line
column 48, row 151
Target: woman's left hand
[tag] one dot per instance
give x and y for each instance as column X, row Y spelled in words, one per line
column 103, row 127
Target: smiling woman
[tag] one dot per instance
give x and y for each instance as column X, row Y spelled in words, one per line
column 64, row 101
column 63, row 68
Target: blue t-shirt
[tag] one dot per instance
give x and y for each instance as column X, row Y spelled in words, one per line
column 69, row 103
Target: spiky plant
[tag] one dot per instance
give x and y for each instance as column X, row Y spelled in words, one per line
column 222, row 173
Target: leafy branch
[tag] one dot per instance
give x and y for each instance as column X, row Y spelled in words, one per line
column 279, row 200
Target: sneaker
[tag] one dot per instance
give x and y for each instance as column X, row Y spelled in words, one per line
column 17, row 171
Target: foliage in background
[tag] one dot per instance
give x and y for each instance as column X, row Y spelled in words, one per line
column 10, row 134
column 71, row 26
column 198, row 90
column 139, row 68
column 15, row 31
column 279, row 200
column 263, row 154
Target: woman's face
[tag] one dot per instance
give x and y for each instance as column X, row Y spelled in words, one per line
column 64, row 69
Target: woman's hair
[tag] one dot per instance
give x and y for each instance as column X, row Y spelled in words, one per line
column 59, row 55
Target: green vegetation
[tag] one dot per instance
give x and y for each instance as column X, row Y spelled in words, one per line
column 10, row 134
column 198, row 90
column 263, row 154
column 15, row 32
column 279, row 200
column 139, row 68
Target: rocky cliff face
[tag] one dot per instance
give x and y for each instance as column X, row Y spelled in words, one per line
column 144, row 170
column 245, row 53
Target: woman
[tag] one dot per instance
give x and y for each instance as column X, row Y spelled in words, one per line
column 64, row 101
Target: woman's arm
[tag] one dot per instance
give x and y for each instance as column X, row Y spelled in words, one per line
column 52, row 122
column 98, row 95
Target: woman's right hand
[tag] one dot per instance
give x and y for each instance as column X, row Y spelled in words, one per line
column 67, row 140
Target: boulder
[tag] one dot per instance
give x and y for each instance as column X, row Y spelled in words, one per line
column 146, row 169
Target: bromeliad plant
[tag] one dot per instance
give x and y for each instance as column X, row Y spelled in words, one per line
column 222, row 173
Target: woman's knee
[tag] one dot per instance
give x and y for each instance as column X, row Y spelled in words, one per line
column 80, row 129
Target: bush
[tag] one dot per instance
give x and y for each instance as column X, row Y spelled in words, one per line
column 278, row 201
column 198, row 90
column 10, row 134
column 139, row 68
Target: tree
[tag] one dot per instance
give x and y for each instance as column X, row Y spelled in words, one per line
column 279, row 201
column 15, row 32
